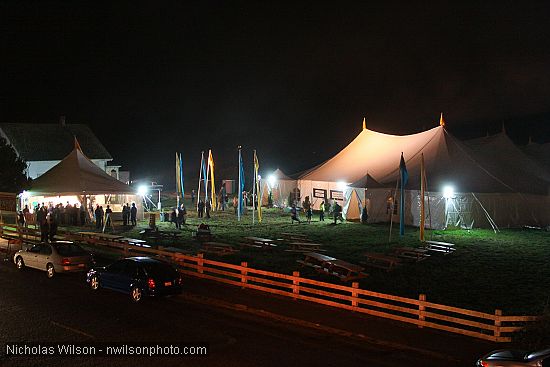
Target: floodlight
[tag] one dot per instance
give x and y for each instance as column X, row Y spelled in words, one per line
column 448, row 192
column 342, row 185
column 25, row 194
column 142, row 190
column 272, row 180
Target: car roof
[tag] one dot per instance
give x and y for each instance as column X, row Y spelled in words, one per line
column 538, row 353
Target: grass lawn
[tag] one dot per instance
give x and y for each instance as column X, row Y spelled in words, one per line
column 509, row 270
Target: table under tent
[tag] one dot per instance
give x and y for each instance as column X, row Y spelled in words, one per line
column 76, row 180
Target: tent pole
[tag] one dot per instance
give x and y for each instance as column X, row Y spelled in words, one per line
column 393, row 206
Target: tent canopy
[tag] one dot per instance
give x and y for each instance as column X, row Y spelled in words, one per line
column 280, row 175
column 447, row 162
column 77, row 175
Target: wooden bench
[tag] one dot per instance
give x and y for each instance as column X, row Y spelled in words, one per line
column 416, row 254
column 315, row 260
column 381, row 261
column 304, row 247
column 258, row 242
column 437, row 246
column 343, row 270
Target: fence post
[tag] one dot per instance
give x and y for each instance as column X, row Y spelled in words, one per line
column 295, row 284
column 498, row 313
column 244, row 272
column 421, row 309
column 200, row 263
column 354, row 294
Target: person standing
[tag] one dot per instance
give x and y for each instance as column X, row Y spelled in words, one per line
column 309, row 214
column 27, row 215
column 181, row 215
column 126, row 214
column 192, row 196
column 43, row 225
column 200, row 208
column 208, row 207
column 97, row 215
column 322, row 213
column 294, row 214
column 52, row 227
column 82, row 215
column 174, row 218
column 235, row 204
column 133, row 214
column 108, row 220
column 337, row 212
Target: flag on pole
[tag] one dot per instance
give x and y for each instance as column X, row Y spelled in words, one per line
column 241, row 185
column 404, row 178
column 201, row 173
column 182, row 189
column 422, row 195
column 257, row 186
column 178, row 178
column 204, row 178
column 213, row 184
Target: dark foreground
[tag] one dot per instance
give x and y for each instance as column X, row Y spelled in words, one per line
column 36, row 309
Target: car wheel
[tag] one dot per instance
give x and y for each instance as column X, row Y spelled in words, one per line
column 20, row 263
column 50, row 271
column 136, row 294
column 94, row 283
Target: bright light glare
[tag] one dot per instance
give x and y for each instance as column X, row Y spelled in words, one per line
column 142, row 190
column 272, row 180
column 342, row 185
column 448, row 192
column 25, row 194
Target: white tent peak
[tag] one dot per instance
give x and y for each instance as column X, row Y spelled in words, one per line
column 76, row 174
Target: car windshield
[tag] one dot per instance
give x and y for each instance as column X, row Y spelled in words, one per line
column 69, row 249
column 158, row 269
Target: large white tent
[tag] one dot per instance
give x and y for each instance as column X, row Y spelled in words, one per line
column 489, row 191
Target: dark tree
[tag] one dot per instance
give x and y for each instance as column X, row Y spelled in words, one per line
column 12, row 169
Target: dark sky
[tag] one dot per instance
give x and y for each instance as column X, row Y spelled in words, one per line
column 290, row 80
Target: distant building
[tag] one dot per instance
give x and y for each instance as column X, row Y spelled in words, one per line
column 43, row 146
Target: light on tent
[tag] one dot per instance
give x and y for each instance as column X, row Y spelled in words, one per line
column 448, row 192
column 272, row 180
column 342, row 185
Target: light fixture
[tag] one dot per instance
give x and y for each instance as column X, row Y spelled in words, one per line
column 272, row 180
column 342, row 185
column 142, row 190
column 448, row 192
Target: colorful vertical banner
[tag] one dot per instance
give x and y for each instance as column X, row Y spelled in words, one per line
column 182, row 186
column 257, row 186
column 204, row 177
column 404, row 178
column 212, row 181
column 201, row 176
column 178, row 178
column 241, row 185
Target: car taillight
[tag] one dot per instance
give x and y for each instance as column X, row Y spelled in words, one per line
column 151, row 283
column 65, row 262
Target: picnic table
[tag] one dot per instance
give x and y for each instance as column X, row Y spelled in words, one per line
column 315, row 260
column 132, row 241
column 156, row 234
column 218, row 248
column 437, row 246
column 381, row 261
column 417, row 254
column 344, row 271
column 304, row 247
column 258, row 242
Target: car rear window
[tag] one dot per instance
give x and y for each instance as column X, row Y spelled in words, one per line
column 159, row 269
column 69, row 250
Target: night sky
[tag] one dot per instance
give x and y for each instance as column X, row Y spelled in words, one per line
column 290, row 80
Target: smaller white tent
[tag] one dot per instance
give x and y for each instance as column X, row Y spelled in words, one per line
column 280, row 185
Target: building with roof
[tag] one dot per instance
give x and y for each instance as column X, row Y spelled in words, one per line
column 43, row 146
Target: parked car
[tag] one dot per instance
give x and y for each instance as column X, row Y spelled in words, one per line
column 56, row 257
column 515, row 358
column 138, row 277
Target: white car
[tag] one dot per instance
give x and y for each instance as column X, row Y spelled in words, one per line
column 56, row 257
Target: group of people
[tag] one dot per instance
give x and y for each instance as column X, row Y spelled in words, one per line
column 71, row 215
column 129, row 214
column 178, row 216
column 335, row 209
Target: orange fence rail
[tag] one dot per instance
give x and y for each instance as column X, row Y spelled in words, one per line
column 494, row 327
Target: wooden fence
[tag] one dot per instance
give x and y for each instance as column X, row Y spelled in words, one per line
column 494, row 327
